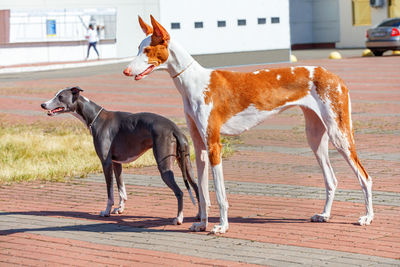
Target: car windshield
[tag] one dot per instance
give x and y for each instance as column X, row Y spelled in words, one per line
column 390, row 23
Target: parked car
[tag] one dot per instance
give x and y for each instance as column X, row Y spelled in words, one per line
column 385, row 36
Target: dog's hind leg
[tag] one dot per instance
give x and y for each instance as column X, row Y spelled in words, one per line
column 190, row 175
column 164, row 150
column 183, row 156
column 108, row 174
column 318, row 140
column 365, row 181
column 121, row 188
column 342, row 138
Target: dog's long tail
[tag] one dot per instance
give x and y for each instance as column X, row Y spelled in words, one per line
column 182, row 150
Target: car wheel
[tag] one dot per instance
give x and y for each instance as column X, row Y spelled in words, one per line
column 377, row 53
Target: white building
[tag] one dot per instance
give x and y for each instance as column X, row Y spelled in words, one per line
column 216, row 32
column 219, row 32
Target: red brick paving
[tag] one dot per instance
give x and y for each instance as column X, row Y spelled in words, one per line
column 277, row 220
column 37, row 250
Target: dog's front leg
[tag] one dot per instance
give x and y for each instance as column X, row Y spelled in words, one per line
column 121, row 188
column 107, row 169
column 215, row 149
column 202, row 172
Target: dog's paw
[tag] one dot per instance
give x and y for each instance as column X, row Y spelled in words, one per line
column 117, row 210
column 177, row 221
column 104, row 213
column 197, row 227
column 320, row 218
column 365, row 220
column 220, row 229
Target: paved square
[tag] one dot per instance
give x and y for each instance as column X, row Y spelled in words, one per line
column 273, row 182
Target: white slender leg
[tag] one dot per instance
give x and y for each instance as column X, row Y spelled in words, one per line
column 366, row 185
column 221, row 199
column 202, row 174
column 121, row 188
column 318, row 140
column 322, row 156
column 367, row 190
column 343, row 143
column 122, row 198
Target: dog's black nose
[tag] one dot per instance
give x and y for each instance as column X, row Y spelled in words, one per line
column 43, row 106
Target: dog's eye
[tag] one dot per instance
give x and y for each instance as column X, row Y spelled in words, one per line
column 60, row 97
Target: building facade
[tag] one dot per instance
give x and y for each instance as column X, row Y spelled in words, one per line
column 230, row 32
column 216, row 32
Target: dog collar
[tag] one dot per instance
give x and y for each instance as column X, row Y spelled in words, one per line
column 176, row 75
column 95, row 117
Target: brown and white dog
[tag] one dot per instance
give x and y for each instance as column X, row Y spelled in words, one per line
column 226, row 102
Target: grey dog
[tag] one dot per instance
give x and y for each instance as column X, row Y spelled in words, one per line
column 122, row 137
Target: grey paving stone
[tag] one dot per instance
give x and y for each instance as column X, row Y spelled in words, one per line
column 222, row 248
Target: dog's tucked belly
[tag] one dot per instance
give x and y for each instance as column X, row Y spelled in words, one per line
column 127, row 160
column 245, row 120
column 127, row 150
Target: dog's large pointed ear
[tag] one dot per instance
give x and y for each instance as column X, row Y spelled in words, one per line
column 160, row 35
column 75, row 93
column 76, row 90
column 146, row 28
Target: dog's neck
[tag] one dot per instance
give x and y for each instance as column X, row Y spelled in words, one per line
column 188, row 75
column 87, row 111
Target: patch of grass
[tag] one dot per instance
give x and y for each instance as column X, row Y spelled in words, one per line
column 228, row 143
column 50, row 151
column 57, row 150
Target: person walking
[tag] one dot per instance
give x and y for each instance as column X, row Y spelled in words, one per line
column 92, row 40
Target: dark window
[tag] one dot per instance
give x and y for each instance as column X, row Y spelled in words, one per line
column 221, row 23
column 241, row 22
column 175, row 25
column 275, row 20
column 198, row 24
column 262, row 21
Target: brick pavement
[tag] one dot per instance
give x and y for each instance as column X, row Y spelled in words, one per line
column 274, row 184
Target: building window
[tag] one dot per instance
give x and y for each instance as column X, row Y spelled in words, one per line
column 275, row 20
column 221, row 23
column 175, row 25
column 198, row 24
column 394, row 8
column 52, row 25
column 241, row 22
column 361, row 12
column 262, row 21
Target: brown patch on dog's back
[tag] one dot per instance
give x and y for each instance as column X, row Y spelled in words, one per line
column 233, row 92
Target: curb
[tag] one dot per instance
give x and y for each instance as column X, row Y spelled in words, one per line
column 8, row 70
